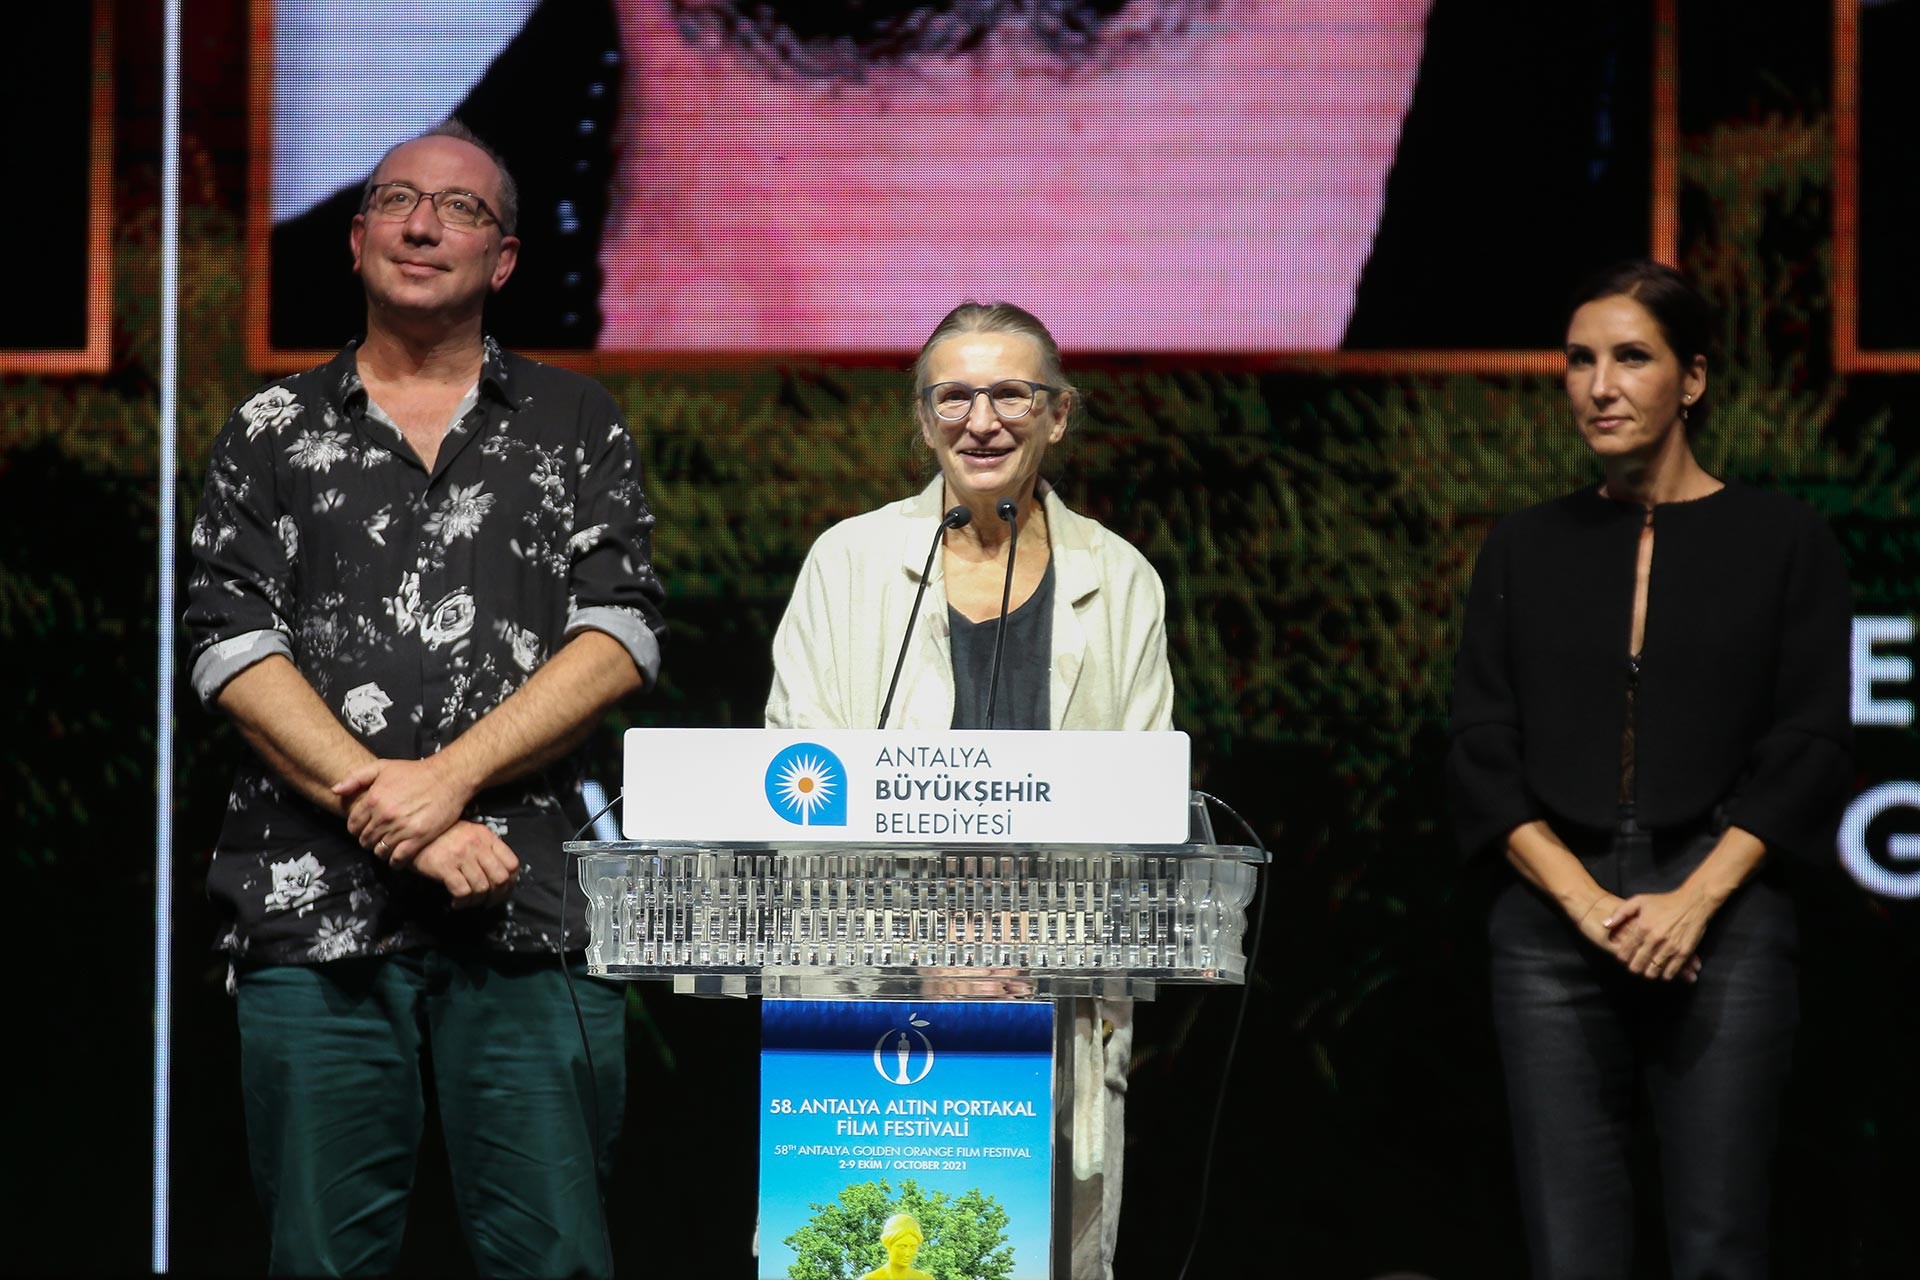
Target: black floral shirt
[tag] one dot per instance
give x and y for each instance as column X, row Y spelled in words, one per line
column 414, row 603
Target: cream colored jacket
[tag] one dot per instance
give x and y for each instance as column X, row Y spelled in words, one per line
column 836, row 646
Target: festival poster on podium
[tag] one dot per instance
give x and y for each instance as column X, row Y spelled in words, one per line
column 906, row 1140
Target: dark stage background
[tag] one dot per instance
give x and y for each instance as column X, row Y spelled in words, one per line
column 1315, row 519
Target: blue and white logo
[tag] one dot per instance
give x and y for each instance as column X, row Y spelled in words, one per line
column 898, row 1059
column 807, row 785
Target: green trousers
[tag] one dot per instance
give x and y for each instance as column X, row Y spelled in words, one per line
column 340, row 1061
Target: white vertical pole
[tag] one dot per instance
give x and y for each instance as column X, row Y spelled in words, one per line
column 163, row 712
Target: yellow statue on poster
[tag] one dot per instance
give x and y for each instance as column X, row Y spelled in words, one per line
column 901, row 1237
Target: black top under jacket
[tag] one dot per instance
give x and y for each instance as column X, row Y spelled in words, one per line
column 1743, row 681
column 1026, row 672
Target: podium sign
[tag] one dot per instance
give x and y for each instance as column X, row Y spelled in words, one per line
column 911, row 1131
column 869, row 786
column 928, row 1129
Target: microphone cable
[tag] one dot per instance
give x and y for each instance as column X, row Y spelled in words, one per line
column 567, row 876
column 1233, row 1040
column 957, row 517
column 1007, row 509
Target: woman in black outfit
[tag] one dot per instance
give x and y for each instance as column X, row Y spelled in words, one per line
column 1650, row 714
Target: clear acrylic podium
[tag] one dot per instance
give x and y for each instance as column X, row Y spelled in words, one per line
column 911, row 921
column 1046, row 922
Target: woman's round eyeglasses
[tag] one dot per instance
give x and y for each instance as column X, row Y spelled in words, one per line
column 1010, row 398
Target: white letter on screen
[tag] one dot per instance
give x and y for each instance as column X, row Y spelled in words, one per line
column 1870, row 668
column 1902, row 846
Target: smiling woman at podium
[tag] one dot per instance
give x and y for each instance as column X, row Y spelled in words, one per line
column 1085, row 643
column 982, row 602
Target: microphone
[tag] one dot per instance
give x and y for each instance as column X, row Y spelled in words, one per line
column 956, row 518
column 1009, row 511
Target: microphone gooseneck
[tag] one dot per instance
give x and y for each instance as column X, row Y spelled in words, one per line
column 955, row 518
column 1007, row 510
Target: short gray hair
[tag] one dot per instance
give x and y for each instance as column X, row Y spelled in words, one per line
column 993, row 317
column 508, row 207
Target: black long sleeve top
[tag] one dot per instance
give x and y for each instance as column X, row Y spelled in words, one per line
column 1743, row 690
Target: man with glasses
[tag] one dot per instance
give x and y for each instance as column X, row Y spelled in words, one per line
column 422, row 575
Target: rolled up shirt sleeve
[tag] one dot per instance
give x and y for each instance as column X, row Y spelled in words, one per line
column 244, row 547
column 221, row 662
column 612, row 586
column 629, row 626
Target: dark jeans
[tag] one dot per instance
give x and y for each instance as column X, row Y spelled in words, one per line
column 338, row 1062
column 1584, row 1042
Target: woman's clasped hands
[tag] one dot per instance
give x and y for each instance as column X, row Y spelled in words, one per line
column 1655, row 935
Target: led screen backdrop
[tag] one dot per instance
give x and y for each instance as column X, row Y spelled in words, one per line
column 1314, row 515
column 58, row 108
column 1876, row 201
column 1163, row 177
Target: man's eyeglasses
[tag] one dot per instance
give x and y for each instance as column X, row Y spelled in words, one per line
column 454, row 207
column 1010, row 398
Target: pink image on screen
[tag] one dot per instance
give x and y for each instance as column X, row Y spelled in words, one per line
column 1210, row 185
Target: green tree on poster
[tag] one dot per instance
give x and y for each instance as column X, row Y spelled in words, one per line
column 966, row 1236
